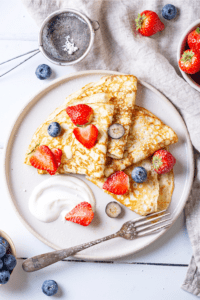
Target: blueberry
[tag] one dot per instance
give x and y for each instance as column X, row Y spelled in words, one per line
column 43, row 72
column 169, row 12
column 54, row 129
column 4, row 276
column 1, row 264
column 4, row 242
column 9, row 262
column 49, row 287
column 139, row 174
column 2, row 250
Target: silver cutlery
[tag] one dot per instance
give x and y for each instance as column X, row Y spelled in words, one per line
column 129, row 230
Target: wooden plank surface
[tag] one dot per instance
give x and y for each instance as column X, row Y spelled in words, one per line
column 156, row 272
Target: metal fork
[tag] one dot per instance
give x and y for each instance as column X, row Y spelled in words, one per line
column 129, row 230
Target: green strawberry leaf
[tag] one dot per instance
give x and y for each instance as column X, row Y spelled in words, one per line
column 187, row 56
column 140, row 19
column 157, row 162
column 198, row 30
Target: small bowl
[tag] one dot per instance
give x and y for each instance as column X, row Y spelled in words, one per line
column 181, row 47
column 60, row 25
column 11, row 249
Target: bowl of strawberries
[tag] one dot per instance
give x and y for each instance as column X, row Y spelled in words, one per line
column 188, row 55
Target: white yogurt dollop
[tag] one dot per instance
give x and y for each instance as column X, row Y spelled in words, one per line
column 57, row 196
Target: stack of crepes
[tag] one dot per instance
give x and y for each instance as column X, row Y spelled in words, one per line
column 113, row 101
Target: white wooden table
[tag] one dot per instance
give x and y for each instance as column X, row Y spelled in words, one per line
column 155, row 273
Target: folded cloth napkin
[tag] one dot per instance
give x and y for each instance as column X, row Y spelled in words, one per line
column 117, row 48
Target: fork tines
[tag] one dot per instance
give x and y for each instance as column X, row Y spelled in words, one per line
column 142, row 230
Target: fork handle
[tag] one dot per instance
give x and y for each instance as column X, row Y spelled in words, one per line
column 39, row 262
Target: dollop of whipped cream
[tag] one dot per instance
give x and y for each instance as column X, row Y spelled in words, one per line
column 57, row 196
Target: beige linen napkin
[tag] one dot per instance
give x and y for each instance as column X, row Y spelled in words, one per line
column 151, row 59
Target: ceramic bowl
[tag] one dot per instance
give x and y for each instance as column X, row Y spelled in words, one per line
column 181, row 48
column 11, row 249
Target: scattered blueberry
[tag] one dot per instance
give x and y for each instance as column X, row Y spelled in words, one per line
column 169, row 12
column 139, row 174
column 4, row 242
column 54, row 129
column 9, row 262
column 43, row 72
column 4, row 276
column 1, row 264
column 49, row 287
column 2, row 250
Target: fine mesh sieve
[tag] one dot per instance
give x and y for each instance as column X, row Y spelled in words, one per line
column 57, row 28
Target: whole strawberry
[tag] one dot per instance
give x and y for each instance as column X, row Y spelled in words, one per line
column 190, row 62
column 163, row 161
column 148, row 23
column 80, row 114
column 193, row 40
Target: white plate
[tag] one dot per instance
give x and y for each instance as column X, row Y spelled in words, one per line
column 20, row 177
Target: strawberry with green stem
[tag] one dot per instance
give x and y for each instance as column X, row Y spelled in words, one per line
column 190, row 62
column 148, row 23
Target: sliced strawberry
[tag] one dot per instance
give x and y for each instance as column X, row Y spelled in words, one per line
column 43, row 159
column 80, row 114
column 117, row 183
column 86, row 136
column 57, row 154
column 81, row 214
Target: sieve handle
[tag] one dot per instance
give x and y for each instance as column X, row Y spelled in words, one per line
column 36, row 52
column 95, row 27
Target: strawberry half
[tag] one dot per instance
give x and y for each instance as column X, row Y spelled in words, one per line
column 117, row 183
column 87, row 136
column 81, row 214
column 43, row 159
column 163, row 161
column 148, row 23
column 190, row 62
column 80, row 114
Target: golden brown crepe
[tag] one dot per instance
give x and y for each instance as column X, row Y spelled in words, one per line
column 75, row 157
column 147, row 135
column 122, row 93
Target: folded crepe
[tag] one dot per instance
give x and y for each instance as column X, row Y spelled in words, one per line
column 147, row 135
column 141, row 198
column 122, row 93
column 75, row 157
column 144, row 198
column 166, row 187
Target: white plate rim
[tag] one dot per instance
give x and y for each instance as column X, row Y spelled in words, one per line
column 31, row 102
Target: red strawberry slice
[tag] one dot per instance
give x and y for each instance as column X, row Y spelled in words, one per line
column 148, row 23
column 117, row 183
column 81, row 214
column 163, row 161
column 87, row 136
column 80, row 114
column 43, row 159
column 57, row 154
